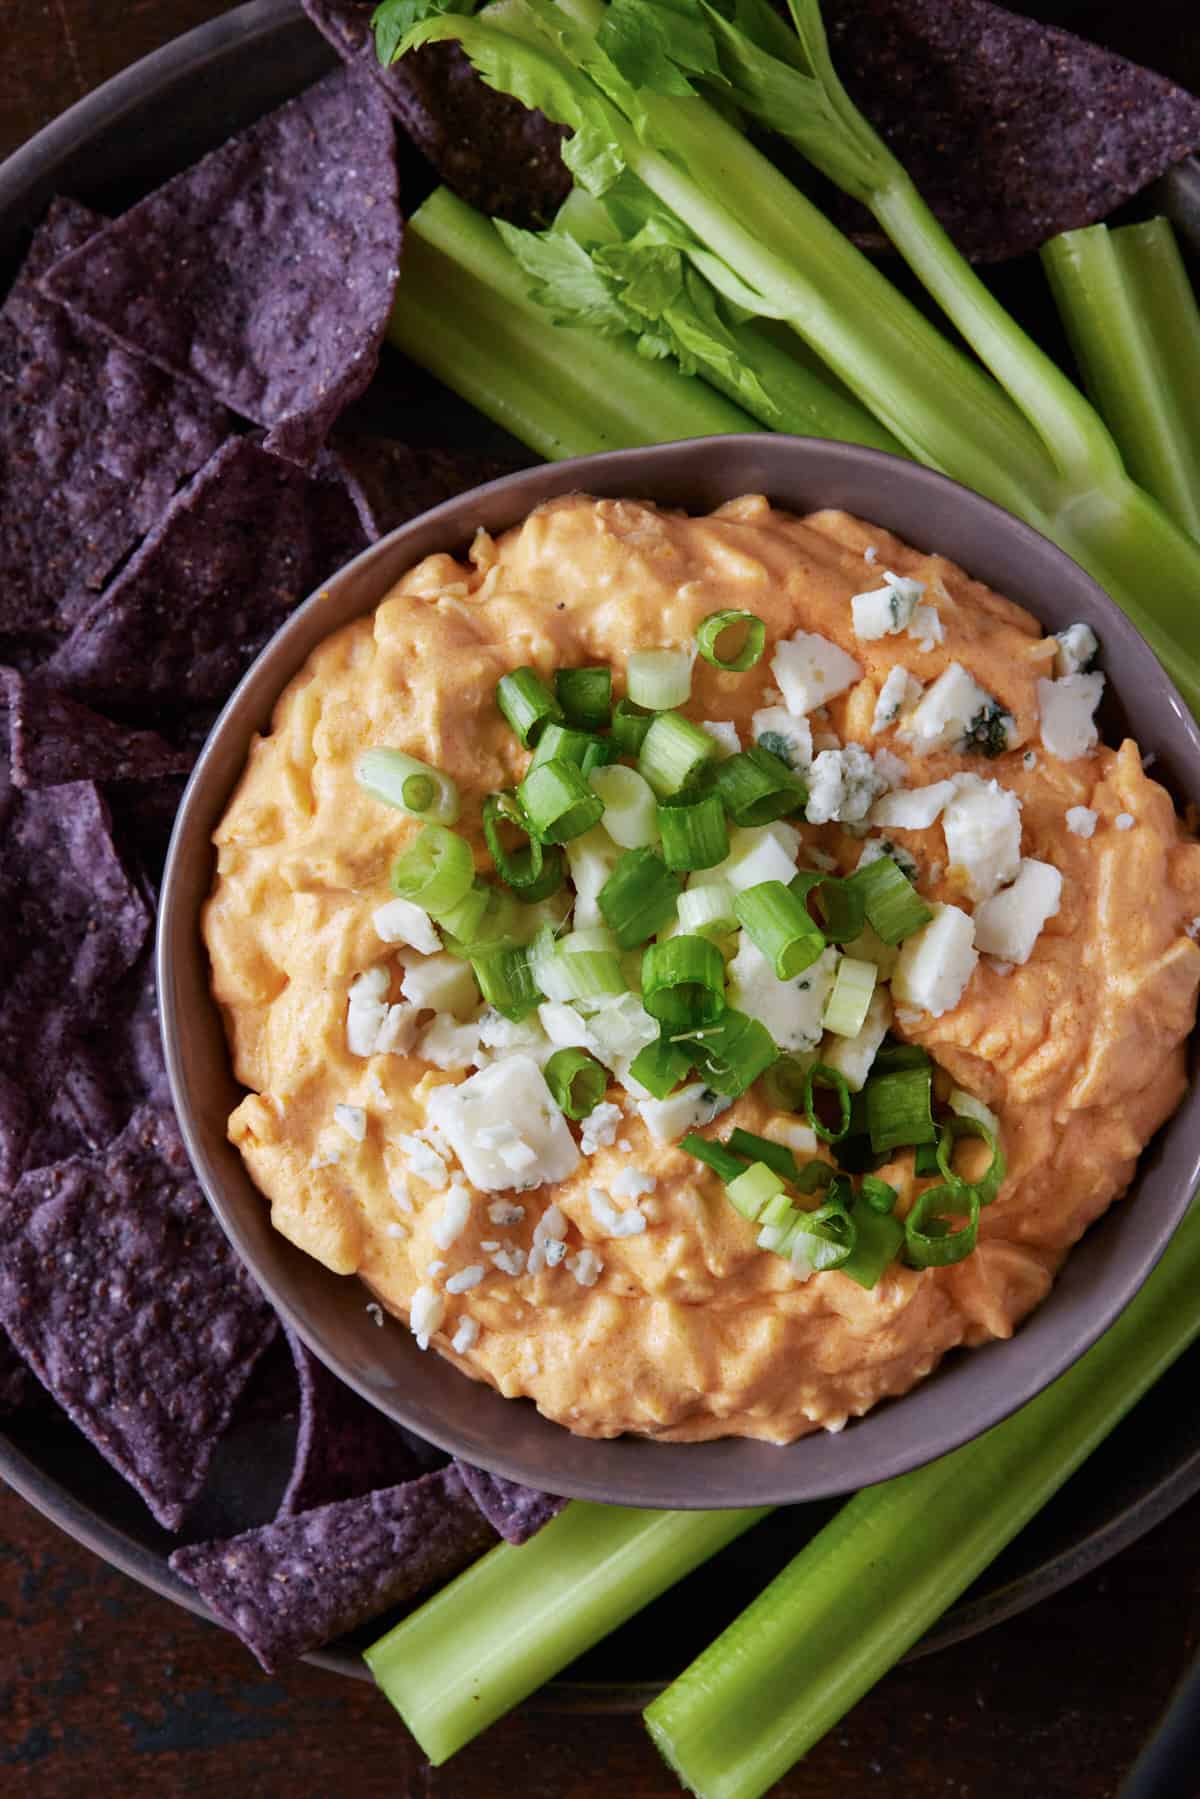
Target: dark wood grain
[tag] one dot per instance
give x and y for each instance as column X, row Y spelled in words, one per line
column 107, row 1689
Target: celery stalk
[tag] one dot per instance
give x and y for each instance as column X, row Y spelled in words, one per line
column 462, row 312
column 1134, row 326
column 518, row 1616
column 868, row 1585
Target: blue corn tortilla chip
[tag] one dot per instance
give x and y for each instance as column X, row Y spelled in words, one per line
column 390, row 482
column 93, row 442
column 344, row 1447
column 293, row 1585
column 249, row 537
column 120, row 1291
column 1013, row 131
column 19, row 1390
column 517, row 1512
column 497, row 154
column 75, row 925
column 265, row 272
column 55, row 741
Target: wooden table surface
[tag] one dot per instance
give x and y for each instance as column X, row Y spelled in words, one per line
column 106, row 1688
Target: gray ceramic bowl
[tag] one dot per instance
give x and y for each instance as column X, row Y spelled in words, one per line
column 970, row 1391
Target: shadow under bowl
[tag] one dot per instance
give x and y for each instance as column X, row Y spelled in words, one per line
column 970, row 1391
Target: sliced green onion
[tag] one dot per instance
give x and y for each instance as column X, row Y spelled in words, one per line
column 893, row 906
column 683, row 983
column 707, row 910
column 824, row 1239
column 400, row 780
column 899, row 1108
column 714, row 627
column 815, row 1177
column 925, row 1160
column 988, row 1184
column 877, row 1195
column 784, row 1083
column 673, row 753
column 598, row 754
column 732, row 1054
column 590, row 969
column 659, row 679
column 831, row 1081
column 930, row 1239
column 777, row 1156
column 576, row 1081
column 585, row 695
column 489, row 919
column 435, row 871
column 893, row 1056
column 629, row 726
column 462, row 922
column 630, row 808
column 756, row 788
column 849, row 997
column 561, row 743
column 753, row 1190
column 877, row 1243
column 506, row 980
column 527, row 703
column 713, row 1155
column 780, row 925
column 533, row 870
column 694, row 835
column 843, row 909
column 558, row 802
column 777, row 1220
column 660, row 1066
column 639, row 897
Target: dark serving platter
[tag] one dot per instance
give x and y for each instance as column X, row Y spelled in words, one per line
column 141, row 127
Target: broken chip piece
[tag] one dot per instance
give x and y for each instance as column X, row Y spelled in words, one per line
column 518, row 1512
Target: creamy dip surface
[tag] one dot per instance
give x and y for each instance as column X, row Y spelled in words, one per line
column 685, row 1330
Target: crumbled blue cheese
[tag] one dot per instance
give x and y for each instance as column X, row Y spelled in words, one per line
column 1066, row 709
column 425, row 1314
column 454, row 1216
column 811, row 670
column 510, row 1260
column 504, row 1211
column 398, row 1188
column 612, row 1221
column 944, row 714
column 1010, row 923
column 586, row 1267
column 853, row 1056
column 440, row 983
column 1081, row 821
column 424, row 1160
column 1076, row 649
column 591, row 859
column 875, row 847
column 503, row 1036
column 448, row 1044
column 936, row 963
column 786, row 736
column 599, row 1129
column 982, row 822
column 885, row 611
column 399, row 921
column 897, row 697
column 398, row 1032
column 1124, row 821
column 620, row 1026
column 514, row 1090
column 374, row 1312
column 926, row 628
column 758, row 853
column 842, row 785
column 791, row 1010
column 466, row 1278
column 632, row 1183
column 466, row 1336
column 564, row 1026
column 912, row 808
column 353, row 1121
column 367, row 1010
column 800, row 1138
column 693, row 1106
column 724, row 734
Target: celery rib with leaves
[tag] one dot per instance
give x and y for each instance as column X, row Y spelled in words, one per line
column 628, row 80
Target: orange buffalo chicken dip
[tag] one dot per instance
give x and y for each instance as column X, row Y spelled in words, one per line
column 697, row 971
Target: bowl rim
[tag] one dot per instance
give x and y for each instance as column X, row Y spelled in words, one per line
column 726, row 1471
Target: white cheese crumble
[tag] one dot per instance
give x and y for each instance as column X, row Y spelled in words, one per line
column 791, row 1010
column 669, row 1119
column 631, row 1183
column 504, row 1212
column 842, row 784
column 366, row 1010
column 398, row 1188
column 591, row 858
column 926, row 628
column 425, row 1314
column 466, row 1336
column 399, row 921
column 871, row 554
column 1081, row 820
column 912, row 808
column 1076, row 647
column 724, row 734
column 503, row 1035
column 509, row 1260
column 790, row 738
column 424, row 1161
column 564, row 1026
column 325, row 1158
column 947, row 709
column 440, row 984
column 586, row 1267
column 853, row 1056
column 885, row 611
column 1124, row 821
column 621, row 1026
column 1009, row 924
column 1066, row 709
column 599, row 1129
column 454, row 1216
column 374, row 1312
column 448, row 1044
column 395, row 1229
column 398, row 1032
column 1193, row 930
column 936, row 963
column 872, row 849
column 758, row 853
column 353, row 1120
column 612, row 1222
column 515, row 1090
column 898, row 695
column 810, row 670
column 982, row 822
column 433, row 1269
column 800, row 1138
column 465, row 1279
